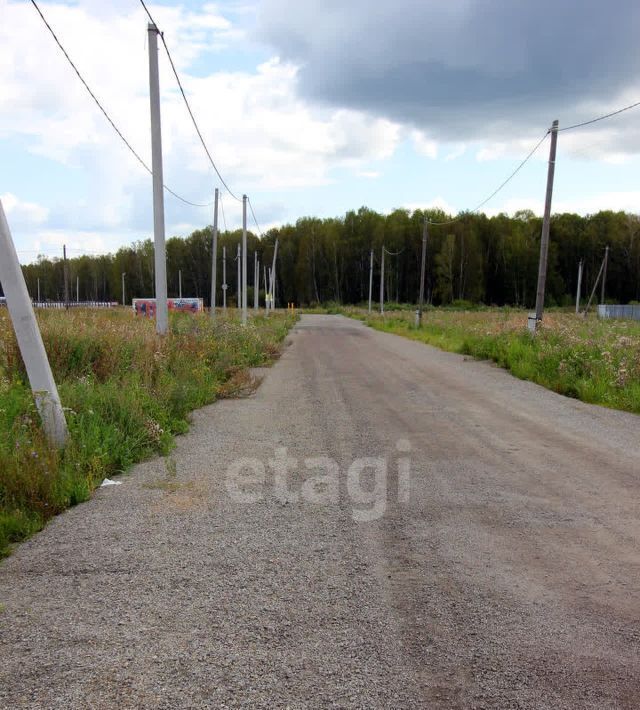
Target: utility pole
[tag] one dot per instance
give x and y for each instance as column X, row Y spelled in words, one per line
column 224, row 279
column 244, row 260
column 162, row 312
column 239, row 260
column 29, row 339
column 214, row 255
column 546, row 222
column 179, row 283
column 124, row 300
column 77, row 289
column 273, row 277
column 38, row 289
column 579, row 289
column 65, row 269
column 382, row 281
column 256, row 281
column 266, row 289
column 422, row 270
column 370, row 278
column 595, row 286
column 604, row 273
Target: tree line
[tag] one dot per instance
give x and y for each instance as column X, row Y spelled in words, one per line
column 491, row 260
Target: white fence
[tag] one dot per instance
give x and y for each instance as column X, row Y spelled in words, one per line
column 627, row 312
column 71, row 304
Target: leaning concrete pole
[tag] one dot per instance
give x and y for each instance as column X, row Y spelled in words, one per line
column 214, row 256
column 162, row 312
column 273, row 277
column 244, row 260
column 266, row 288
column 546, row 222
column 29, row 339
column 604, row 274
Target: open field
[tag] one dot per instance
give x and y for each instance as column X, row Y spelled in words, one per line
column 126, row 392
column 593, row 360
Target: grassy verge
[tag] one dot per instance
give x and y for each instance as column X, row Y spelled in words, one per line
column 597, row 361
column 126, row 393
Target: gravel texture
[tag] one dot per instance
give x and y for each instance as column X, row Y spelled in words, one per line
column 508, row 579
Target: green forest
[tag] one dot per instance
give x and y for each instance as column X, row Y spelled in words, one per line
column 490, row 260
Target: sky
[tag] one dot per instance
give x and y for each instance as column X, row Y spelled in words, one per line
column 311, row 107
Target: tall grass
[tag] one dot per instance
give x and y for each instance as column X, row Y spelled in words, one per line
column 126, row 393
column 597, row 361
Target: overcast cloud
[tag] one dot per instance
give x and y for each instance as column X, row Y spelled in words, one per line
column 464, row 69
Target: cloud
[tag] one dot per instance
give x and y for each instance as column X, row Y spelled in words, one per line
column 459, row 70
column 21, row 213
column 424, row 145
column 261, row 132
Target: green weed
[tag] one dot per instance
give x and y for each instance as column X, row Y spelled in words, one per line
column 126, row 393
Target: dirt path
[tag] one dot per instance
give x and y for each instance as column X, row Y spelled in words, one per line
column 507, row 575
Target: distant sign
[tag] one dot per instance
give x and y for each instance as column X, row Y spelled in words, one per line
column 147, row 306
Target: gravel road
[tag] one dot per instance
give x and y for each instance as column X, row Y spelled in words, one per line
column 503, row 571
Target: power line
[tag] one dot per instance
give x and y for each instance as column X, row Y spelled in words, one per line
column 224, row 219
column 186, row 102
column 254, row 218
column 503, row 185
column 392, row 253
column 600, row 118
column 104, row 112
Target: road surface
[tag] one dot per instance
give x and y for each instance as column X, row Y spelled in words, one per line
column 380, row 525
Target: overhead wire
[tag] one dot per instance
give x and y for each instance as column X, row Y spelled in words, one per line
column 502, row 186
column 224, row 219
column 253, row 214
column 599, row 118
column 104, row 112
column 186, row 102
column 392, row 253
column 530, row 155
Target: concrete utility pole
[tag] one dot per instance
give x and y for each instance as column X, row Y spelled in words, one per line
column 273, row 277
column 579, row 289
column 124, row 300
column 256, row 281
column 266, row 288
column 214, row 255
column 422, row 270
column 162, row 311
column 239, row 260
column 179, row 283
column 595, row 286
column 382, row 281
column 370, row 278
column 65, row 271
column 224, row 279
column 244, row 260
column 544, row 241
column 29, row 339
column 604, row 274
